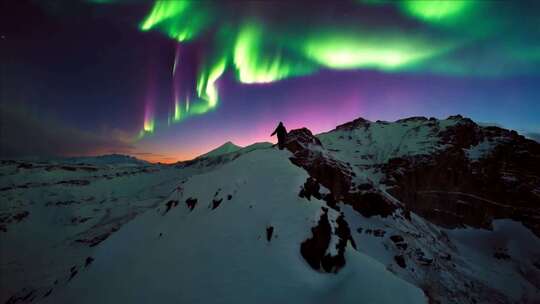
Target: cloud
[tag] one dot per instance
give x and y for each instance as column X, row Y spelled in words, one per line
column 26, row 133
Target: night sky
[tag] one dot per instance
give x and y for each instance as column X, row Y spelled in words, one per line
column 168, row 80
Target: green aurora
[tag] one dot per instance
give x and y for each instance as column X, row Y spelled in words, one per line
column 260, row 50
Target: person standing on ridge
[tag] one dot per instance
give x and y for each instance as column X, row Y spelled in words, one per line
column 281, row 135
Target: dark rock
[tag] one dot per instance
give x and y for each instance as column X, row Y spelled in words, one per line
column 402, row 246
column 88, row 261
column 269, row 232
column 310, row 188
column 75, row 182
column 370, row 203
column 25, row 166
column 48, row 293
column 20, row 216
column 63, row 203
column 412, row 119
column 68, row 168
column 331, row 173
column 501, row 256
column 24, row 297
column 400, row 260
column 216, row 203
column 96, row 240
column 170, row 204
column 446, row 256
column 73, row 273
column 330, row 201
column 396, row 238
column 357, row 123
column 424, row 261
column 379, row 233
column 314, row 249
column 364, row 187
column 191, row 202
column 450, row 190
column 344, row 233
column 80, row 220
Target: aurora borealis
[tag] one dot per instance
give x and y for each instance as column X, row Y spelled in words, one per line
column 172, row 79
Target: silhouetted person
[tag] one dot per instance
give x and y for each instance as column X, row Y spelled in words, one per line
column 281, row 135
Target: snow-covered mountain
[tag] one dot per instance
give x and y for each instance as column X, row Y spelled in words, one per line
column 413, row 211
column 109, row 159
column 226, row 148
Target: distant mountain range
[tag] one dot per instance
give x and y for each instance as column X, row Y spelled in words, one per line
column 419, row 210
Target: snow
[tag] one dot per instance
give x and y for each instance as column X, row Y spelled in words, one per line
column 42, row 247
column 222, row 255
column 334, row 239
column 381, row 141
column 480, row 150
column 477, row 247
column 256, row 146
column 226, row 148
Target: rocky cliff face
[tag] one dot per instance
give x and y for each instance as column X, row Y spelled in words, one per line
column 453, row 189
column 452, row 173
column 335, row 175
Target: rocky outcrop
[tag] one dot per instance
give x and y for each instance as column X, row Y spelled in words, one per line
column 452, row 190
column 316, row 250
column 370, row 203
column 191, row 202
column 311, row 188
column 216, row 202
column 269, row 233
column 169, row 205
column 7, row 219
column 355, row 124
column 333, row 174
column 309, row 154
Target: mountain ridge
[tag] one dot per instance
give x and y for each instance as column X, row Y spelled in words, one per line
column 225, row 148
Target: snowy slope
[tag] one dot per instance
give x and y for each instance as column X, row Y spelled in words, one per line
column 222, row 255
column 226, row 148
column 53, row 216
column 410, row 211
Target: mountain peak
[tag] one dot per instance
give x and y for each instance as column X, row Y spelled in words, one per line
column 225, row 148
column 359, row 122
